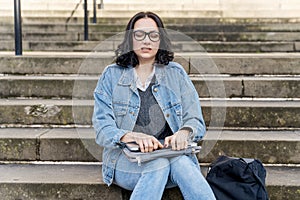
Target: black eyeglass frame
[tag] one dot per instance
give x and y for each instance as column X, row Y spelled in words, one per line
column 146, row 34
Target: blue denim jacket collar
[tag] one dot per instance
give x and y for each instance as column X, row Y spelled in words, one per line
column 127, row 78
column 160, row 73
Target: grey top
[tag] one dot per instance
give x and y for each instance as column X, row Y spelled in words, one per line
column 151, row 119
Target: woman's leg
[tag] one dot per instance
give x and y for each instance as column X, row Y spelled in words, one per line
column 147, row 181
column 187, row 175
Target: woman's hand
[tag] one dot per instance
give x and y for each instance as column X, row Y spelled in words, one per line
column 178, row 140
column 147, row 143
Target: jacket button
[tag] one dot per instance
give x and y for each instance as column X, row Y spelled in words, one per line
column 155, row 89
column 168, row 115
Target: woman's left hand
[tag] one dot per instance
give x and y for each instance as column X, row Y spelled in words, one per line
column 178, row 140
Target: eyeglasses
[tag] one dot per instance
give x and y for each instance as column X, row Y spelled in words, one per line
column 140, row 35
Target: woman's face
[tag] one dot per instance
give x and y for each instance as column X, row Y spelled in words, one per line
column 146, row 40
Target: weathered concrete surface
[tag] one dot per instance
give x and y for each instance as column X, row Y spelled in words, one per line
column 245, row 64
column 35, row 112
column 85, row 182
column 42, row 144
column 202, row 25
column 194, row 63
column 239, row 113
column 19, row 144
column 256, row 113
column 244, row 47
column 297, row 46
column 277, row 87
column 70, row 144
column 240, row 36
column 64, row 63
column 243, row 86
column 39, row 86
column 207, row 86
column 54, row 182
column 24, row 191
column 267, row 146
column 214, row 46
column 278, row 177
column 167, row 20
column 226, row 9
column 197, row 36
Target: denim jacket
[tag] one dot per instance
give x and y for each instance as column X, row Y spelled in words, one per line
column 117, row 104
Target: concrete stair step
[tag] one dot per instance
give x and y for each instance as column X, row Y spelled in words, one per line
column 46, row 181
column 209, row 46
column 236, row 27
column 44, row 144
column 122, row 6
column 129, row 13
column 82, row 87
column 94, row 63
column 264, row 113
column 32, row 2
column 199, row 5
column 243, row 86
column 44, row 5
column 65, row 27
column 197, row 36
column 78, row 144
column 164, row 4
column 241, row 36
column 167, row 20
column 214, row 26
column 191, row 12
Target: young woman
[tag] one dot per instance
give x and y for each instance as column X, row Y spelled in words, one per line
column 147, row 99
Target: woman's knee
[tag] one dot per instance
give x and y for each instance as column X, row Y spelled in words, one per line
column 183, row 165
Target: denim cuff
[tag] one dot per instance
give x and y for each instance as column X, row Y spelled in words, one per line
column 119, row 135
column 191, row 132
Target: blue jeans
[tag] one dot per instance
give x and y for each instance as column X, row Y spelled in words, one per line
column 149, row 180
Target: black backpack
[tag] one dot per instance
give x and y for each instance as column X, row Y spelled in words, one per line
column 237, row 179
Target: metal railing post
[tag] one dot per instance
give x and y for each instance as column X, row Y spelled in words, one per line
column 101, row 5
column 86, row 21
column 18, row 28
column 95, row 12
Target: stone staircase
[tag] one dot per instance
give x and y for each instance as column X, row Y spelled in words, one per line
column 218, row 36
column 251, row 101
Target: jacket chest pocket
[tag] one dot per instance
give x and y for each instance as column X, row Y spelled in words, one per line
column 120, row 110
column 177, row 109
column 174, row 113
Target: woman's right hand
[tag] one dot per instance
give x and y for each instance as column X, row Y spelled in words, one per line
column 147, row 143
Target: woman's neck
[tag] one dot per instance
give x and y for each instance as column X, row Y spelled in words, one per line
column 143, row 71
column 145, row 68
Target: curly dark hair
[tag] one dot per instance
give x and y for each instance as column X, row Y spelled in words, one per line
column 125, row 55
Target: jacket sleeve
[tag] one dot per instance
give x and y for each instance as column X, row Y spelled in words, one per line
column 107, row 132
column 191, row 109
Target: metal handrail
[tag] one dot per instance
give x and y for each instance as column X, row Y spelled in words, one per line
column 86, row 13
column 95, row 11
column 86, row 21
column 18, row 23
column 73, row 11
column 18, row 28
column 86, row 16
